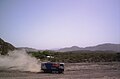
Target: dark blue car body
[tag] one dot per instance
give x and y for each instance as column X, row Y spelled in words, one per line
column 52, row 67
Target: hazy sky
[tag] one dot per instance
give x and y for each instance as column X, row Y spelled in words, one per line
column 46, row 24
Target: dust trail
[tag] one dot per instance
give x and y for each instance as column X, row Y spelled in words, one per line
column 19, row 60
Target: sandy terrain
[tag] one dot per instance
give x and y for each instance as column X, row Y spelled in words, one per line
column 72, row 71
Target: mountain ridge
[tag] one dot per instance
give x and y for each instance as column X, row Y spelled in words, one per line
column 101, row 47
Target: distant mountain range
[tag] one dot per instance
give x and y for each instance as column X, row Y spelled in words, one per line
column 5, row 47
column 27, row 49
column 100, row 47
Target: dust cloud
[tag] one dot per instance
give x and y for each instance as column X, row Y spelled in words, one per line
column 19, row 60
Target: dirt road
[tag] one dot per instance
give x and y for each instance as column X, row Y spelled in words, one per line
column 72, row 71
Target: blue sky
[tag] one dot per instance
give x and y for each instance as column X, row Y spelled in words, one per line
column 47, row 24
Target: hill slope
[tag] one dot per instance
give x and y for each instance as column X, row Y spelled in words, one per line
column 5, row 47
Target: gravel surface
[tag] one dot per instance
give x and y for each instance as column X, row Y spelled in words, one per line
column 103, row 70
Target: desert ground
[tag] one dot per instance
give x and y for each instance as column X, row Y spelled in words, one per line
column 101, row 70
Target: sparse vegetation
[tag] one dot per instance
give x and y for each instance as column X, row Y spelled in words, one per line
column 78, row 56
